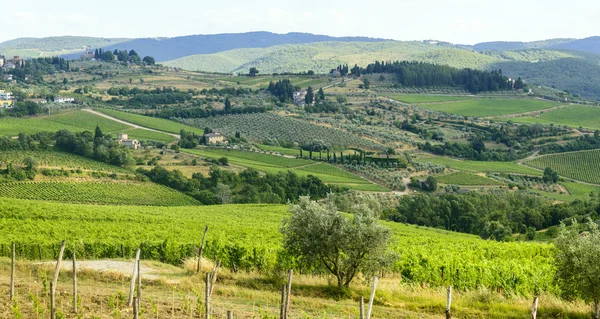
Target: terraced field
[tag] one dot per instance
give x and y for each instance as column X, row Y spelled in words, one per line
column 583, row 166
column 460, row 178
column 491, row 107
column 275, row 164
column 129, row 193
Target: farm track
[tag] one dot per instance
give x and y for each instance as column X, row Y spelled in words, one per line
column 177, row 136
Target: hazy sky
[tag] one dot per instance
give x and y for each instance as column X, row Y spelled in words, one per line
column 457, row 21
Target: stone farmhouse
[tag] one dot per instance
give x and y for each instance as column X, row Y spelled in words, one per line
column 124, row 140
column 215, row 138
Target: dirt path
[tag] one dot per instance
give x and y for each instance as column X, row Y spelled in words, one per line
column 177, row 136
column 110, row 266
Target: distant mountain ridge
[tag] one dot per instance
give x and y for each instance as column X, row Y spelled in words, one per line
column 591, row 44
column 517, row 45
column 165, row 49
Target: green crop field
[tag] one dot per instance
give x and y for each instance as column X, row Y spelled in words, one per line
column 582, row 191
column 11, row 126
column 121, row 193
column 480, row 167
column 87, row 121
column 423, row 98
column 59, row 160
column 144, row 135
column 170, row 233
column 491, row 107
column 274, row 164
column 151, row 122
column 460, row 178
column 282, row 150
column 583, row 166
column 573, row 116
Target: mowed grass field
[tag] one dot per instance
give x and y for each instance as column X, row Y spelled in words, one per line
column 151, row 122
column 466, row 179
column 113, row 193
column 491, row 106
column 75, row 121
column 428, row 98
column 263, row 81
column 583, row 165
column 572, row 116
column 479, row 167
column 274, row 164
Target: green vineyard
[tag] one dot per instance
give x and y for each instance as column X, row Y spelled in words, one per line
column 248, row 236
column 460, row 178
column 122, row 193
column 584, row 166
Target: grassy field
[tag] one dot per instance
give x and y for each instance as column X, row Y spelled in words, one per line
column 113, row 193
column 274, row 164
column 424, row 98
column 56, row 159
column 151, row 122
column 583, row 166
column 582, row 191
column 461, row 178
column 491, row 107
column 144, row 135
column 479, row 167
column 573, row 116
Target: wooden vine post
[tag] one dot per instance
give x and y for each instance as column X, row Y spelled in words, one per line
column 282, row 305
column 361, row 307
column 372, row 298
column 132, row 285
column 12, row 273
column 214, row 277
column 74, row 284
column 229, row 314
column 534, row 307
column 288, row 295
column 449, row 302
column 198, row 267
column 207, row 296
column 52, row 302
column 139, row 287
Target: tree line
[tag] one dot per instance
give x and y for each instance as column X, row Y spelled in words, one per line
column 246, row 187
column 420, row 74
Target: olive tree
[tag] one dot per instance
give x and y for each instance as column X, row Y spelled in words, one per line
column 320, row 236
column 578, row 263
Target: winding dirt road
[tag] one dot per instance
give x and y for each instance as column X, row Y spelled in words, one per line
column 177, row 136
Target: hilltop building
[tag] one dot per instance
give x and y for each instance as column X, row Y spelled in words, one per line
column 124, row 140
column 1, row 61
column 6, row 100
column 215, row 138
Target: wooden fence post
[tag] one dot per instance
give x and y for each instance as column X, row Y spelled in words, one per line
column 214, row 276
column 361, row 307
column 448, row 302
column 57, row 269
column 52, row 302
column 282, row 306
column 201, row 249
column 288, row 294
column 139, row 284
column 372, row 298
column 74, row 283
column 40, row 252
column 229, row 314
column 132, row 285
column 135, row 308
column 207, row 296
column 12, row 272
column 534, row 308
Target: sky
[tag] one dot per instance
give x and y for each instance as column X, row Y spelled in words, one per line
column 456, row 21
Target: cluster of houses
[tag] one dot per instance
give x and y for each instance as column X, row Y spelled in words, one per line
column 7, row 100
column 8, row 64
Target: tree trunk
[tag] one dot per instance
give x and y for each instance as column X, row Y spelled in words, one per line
column 596, row 310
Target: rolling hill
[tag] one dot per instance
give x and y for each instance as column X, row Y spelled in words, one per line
column 36, row 47
column 591, row 44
